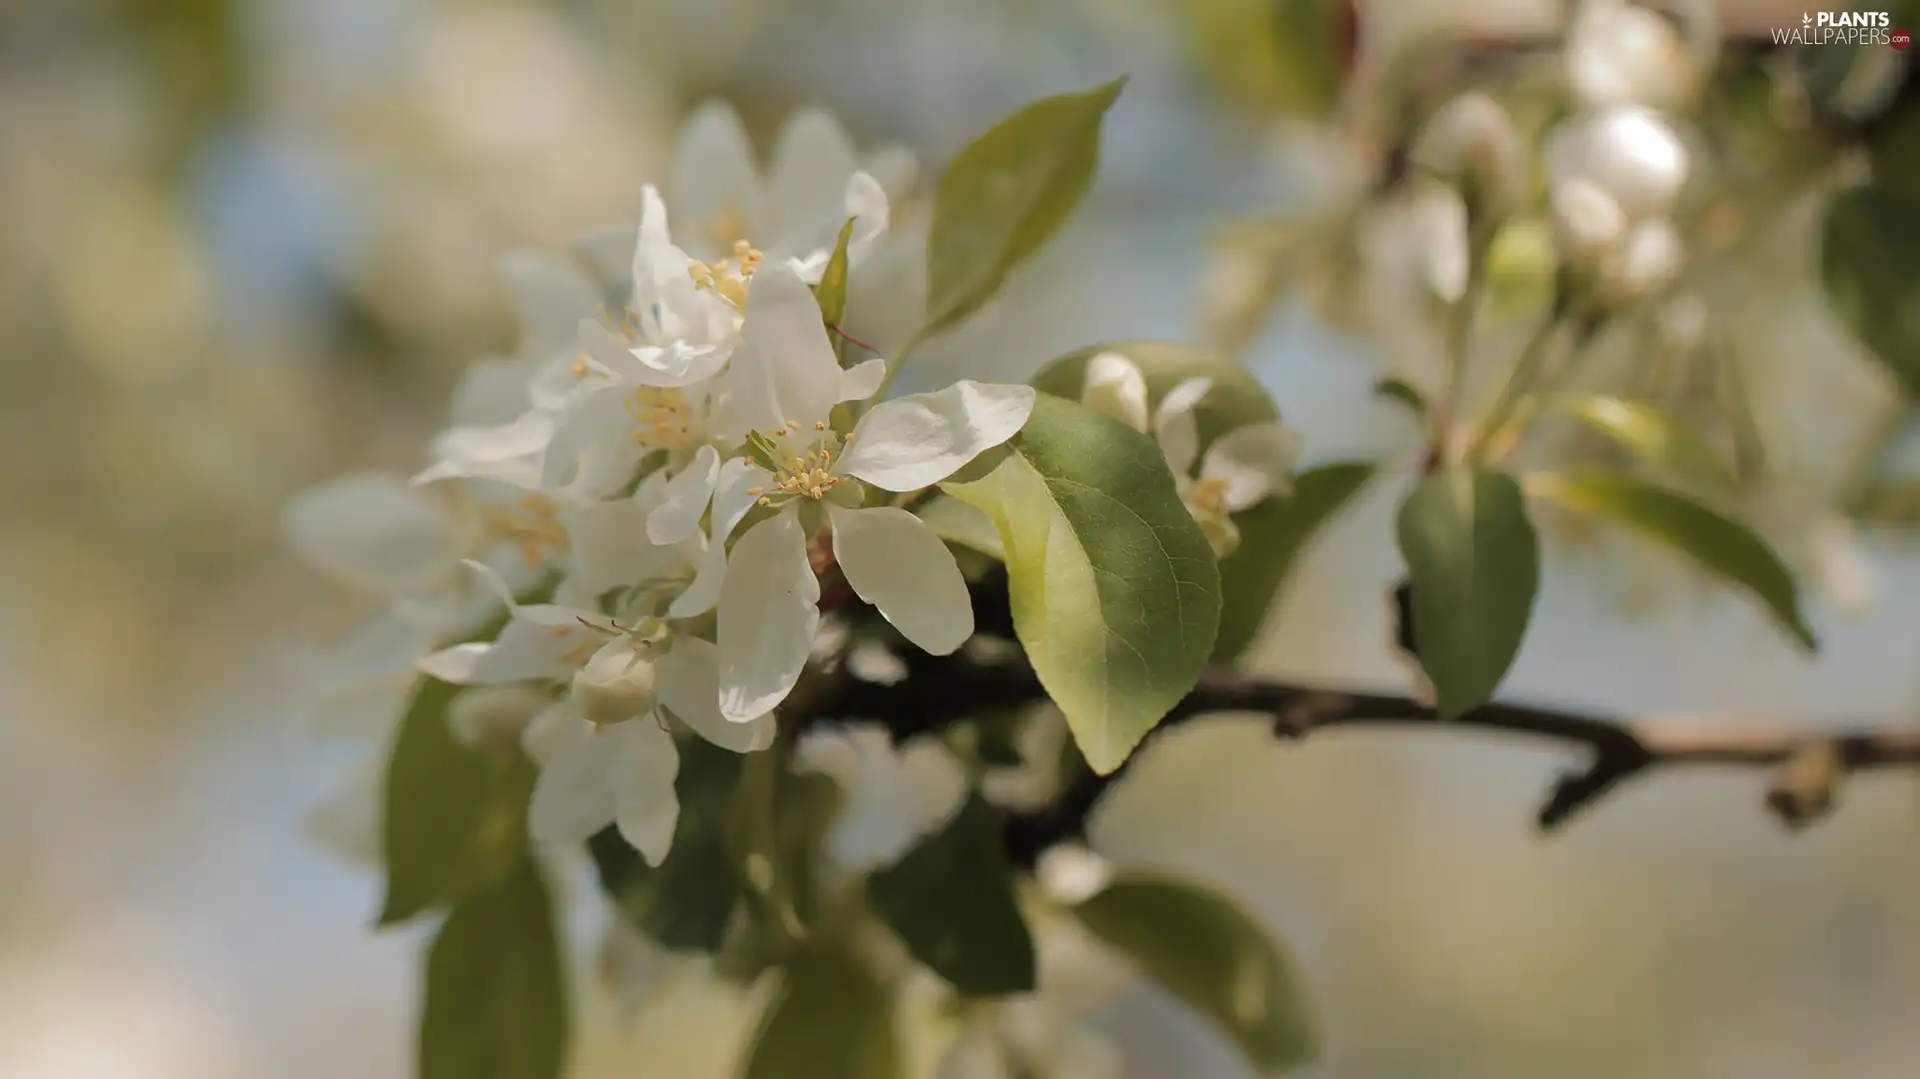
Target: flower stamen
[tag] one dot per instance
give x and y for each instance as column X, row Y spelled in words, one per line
column 534, row 531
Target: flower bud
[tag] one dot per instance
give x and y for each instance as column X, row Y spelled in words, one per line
column 616, row 684
column 1630, row 152
column 1471, row 143
column 1647, row 259
column 1619, row 53
column 1115, row 387
column 1587, row 222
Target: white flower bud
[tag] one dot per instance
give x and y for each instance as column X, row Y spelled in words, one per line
column 1438, row 217
column 1630, row 152
column 1471, row 143
column 1619, row 53
column 1587, row 222
column 1115, row 387
column 616, row 684
column 1647, row 260
column 494, row 715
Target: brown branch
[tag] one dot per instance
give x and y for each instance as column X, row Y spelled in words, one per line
column 1809, row 764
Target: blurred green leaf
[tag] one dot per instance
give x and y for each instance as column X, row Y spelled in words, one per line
column 454, row 819
column 1114, row 589
column 831, row 292
column 496, row 992
column 687, row 901
column 1719, row 543
column 1870, row 260
column 1475, row 565
column 1005, row 195
column 1250, row 577
column 1656, row 438
column 1282, row 56
column 776, row 824
column 1891, row 502
column 833, row 1019
column 1399, row 389
column 1212, row 955
column 950, row 899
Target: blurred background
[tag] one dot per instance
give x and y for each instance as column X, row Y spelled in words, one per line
column 246, row 244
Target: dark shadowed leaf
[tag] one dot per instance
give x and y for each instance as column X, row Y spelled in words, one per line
column 950, row 899
column 496, row 993
column 687, row 901
column 833, row 1019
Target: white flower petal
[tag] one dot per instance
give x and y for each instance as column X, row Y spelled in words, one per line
column 509, row 453
column 646, row 807
column 550, row 295
column 784, row 370
column 862, row 380
column 686, row 497
column 492, row 392
column 1115, row 387
column 812, row 159
column 494, row 583
column 895, row 167
column 769, row 611
column 676, row 364
column 576, row 793
column 709, row 575
column 457, row 664
column 731, row 502
column 690, row 688
column 896, row 563
column 373, row 531
column 713, row 176
column 1174, row 426
column 607, row 547
column 893, row 795
column 1256, row 460
column 866, row 203
column 909, row 442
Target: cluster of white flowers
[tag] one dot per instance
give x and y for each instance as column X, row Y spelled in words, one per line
column 654, row 489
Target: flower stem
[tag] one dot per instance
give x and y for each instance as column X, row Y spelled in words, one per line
column 1459, row 340
column 1526, row 370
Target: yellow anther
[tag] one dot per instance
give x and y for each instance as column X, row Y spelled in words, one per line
column 756, row 490
column 579, row 365
column 663, row 419
column 819, row 425
column 534, row 532
column 766, row 502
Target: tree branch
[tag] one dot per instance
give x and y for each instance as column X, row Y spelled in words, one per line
column 1808, row 764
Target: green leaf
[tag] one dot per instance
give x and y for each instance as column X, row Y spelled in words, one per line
column 762, row 451
column 957, row 522
column 1250, row 577
column 1272, row 535
column 1475, row 566
column 454, row 819
column 496, row 993
column 1211, row 954
column 1719, row 543
column 1398, row 389
column 1890, row 502
column 951, row 901
column 775, row 826
column 833, row 1019
column 1870, row 260
column 1005, row 195
column 686, row 902
column 831, row 292
column 1114, row 590
column 1654, row 437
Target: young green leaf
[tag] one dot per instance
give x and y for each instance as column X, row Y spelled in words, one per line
column 1718, row 543
column 1397, row 389
column 496, row 990
column 1272, row 535
column 1114, row 590
column 1475, row 566
column 1654, row 437
column 1005, row 195
column 957, row 522
column 454, row 819
column 688, row 900
column 1250, row 577
column 831, row 292
column 1208, row 952
column 1870, row 260
column 833, row 1019
column 950, row 899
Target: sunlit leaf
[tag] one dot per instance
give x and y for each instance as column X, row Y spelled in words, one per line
column 1659, row 440
column 1114, row 589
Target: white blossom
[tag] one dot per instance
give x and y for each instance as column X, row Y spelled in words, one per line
column 1629, row 152
column 785, row 383
column 1241, row 469
column 893, row 794
column 1621, row 53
